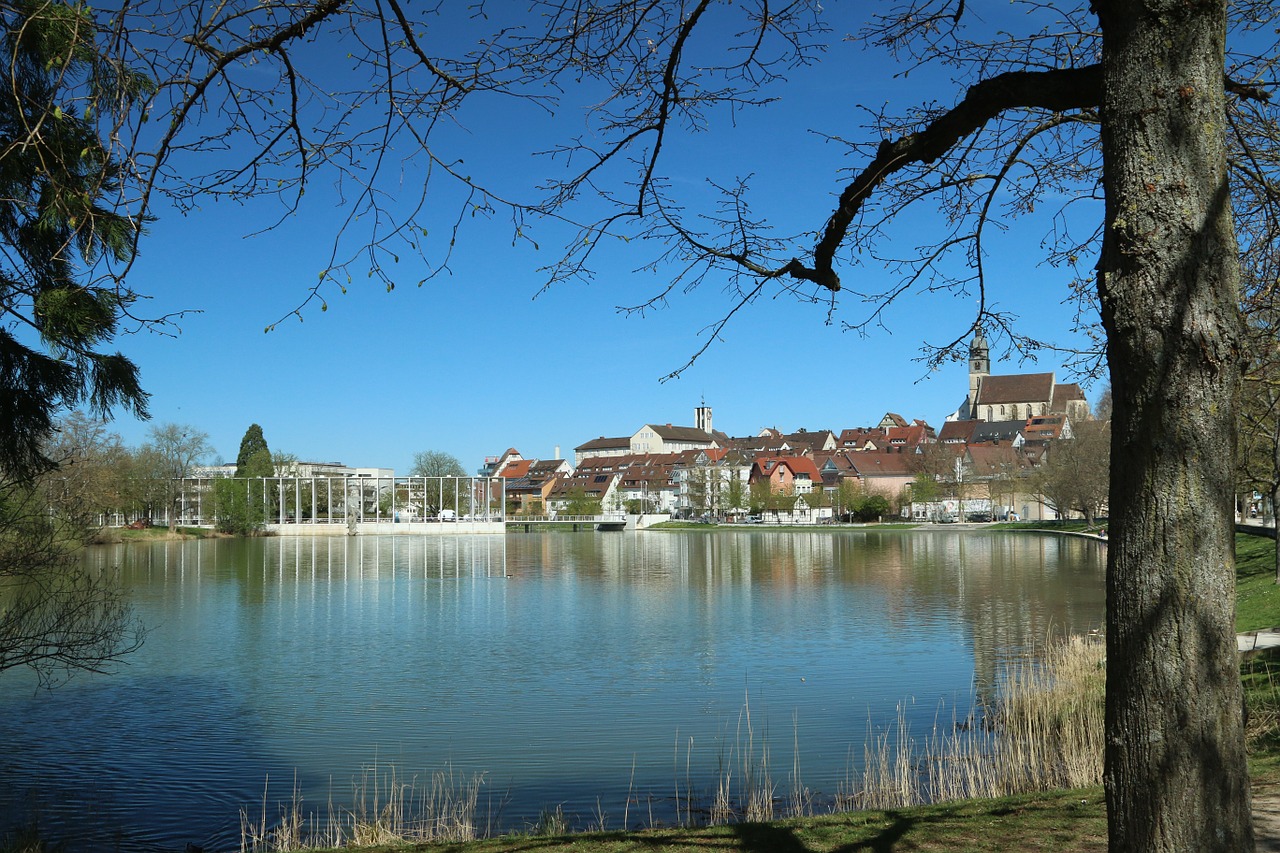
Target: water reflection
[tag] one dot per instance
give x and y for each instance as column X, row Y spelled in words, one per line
column 555, row 663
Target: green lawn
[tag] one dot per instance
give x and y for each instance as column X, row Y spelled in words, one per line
column 1257, row 596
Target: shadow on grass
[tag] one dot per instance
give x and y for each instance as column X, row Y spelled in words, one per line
column 886, row 840
column 772, row 838
column 762, row 837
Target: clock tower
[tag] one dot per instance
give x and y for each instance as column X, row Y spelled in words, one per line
column 979, row 368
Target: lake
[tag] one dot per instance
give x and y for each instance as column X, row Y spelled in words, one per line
column 601, row 673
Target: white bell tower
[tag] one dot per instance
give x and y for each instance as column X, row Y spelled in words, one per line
column 979, row 367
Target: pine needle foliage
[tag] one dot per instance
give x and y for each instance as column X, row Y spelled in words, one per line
column 61, row 227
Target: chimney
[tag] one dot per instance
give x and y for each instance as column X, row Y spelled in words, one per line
column 557, row 455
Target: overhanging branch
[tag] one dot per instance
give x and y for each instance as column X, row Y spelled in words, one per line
column 1057, row 91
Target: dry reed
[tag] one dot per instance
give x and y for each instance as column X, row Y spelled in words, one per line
column 385, row 810
column 1045, row 732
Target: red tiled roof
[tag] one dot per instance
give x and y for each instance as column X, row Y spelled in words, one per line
column 1045, row 426
column 883, row 463
column 516, row 468
column 911, row 436
column 860, row 436
column 798, row 465
column 1019, row 388
column 957, row 431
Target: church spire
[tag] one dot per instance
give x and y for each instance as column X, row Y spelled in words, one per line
column 979, row 367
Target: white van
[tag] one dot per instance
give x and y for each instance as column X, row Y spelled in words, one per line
column 448, row 515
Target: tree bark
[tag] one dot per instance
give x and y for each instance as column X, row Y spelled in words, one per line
column 1175, row 763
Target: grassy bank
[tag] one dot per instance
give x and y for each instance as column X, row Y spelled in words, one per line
column 1059, row 820
column 115, row 535
column 1257, row 596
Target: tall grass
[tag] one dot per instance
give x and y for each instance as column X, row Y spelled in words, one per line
column 386, row 809
column 744, row 787
column 1045, row 732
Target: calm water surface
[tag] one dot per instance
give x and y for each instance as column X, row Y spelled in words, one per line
column 568, row 668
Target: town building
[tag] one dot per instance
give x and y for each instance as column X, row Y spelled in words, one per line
column 712, row 481
column 997, row 397
column 656, row 438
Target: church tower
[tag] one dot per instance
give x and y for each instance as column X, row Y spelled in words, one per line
column 979, row 368
column 702, row 417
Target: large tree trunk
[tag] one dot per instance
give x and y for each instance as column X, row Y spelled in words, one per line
column 1175, row 763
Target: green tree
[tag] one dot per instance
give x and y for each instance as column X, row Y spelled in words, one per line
column 818, row 497
column 254, row 458
column 871, row 507
column 924, row 488
column 578, row 502
column 63, row 97
column 238, row 506
column 759, row 497
column 735, row 493
column 848, row 495
column 285, row 464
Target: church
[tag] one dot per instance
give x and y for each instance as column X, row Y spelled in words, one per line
column 1015, row 397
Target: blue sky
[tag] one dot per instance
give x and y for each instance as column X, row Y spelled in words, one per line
column 472, row 363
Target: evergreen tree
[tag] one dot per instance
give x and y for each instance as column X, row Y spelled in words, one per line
column 254, row 458
column 60, row 233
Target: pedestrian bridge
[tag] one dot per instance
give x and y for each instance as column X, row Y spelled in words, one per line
column 605, row 521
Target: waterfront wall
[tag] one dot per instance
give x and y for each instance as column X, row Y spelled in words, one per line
column 370, row 528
